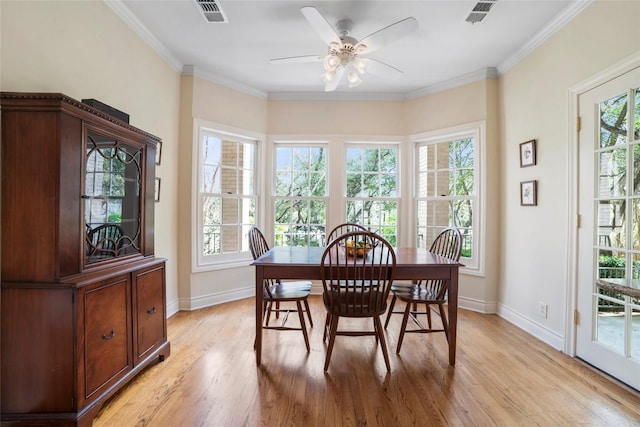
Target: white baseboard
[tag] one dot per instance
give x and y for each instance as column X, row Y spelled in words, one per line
column 477, row 305
column 190, row 304
column 544, row 334
column 172, row 308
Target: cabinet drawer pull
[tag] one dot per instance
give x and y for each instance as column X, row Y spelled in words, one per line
column 151, row 310
column 110, row 336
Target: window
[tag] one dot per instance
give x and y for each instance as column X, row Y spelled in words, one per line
column 448, row 188
column 227, row 196
column 300, row 202
column 371, row 188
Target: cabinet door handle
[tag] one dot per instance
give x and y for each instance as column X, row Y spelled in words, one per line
column 110, row 336
column 151, row 310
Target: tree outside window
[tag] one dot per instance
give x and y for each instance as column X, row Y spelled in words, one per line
column 300, row 195
column 372, row 190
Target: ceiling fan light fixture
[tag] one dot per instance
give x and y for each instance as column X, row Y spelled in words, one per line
column 331, row 62
column 354, row 79
column 360, row 64
column 328, row 76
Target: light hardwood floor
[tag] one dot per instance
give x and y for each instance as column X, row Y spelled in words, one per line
column 502, row 377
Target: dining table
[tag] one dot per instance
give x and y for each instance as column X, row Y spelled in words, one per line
column 304, row 263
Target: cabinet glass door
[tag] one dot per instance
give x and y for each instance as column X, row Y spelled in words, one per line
column 112, row 191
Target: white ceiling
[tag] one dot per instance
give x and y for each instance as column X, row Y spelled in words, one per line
column 445, row 51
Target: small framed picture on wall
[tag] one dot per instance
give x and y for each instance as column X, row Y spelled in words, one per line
column 528, row 153
column 529, row 193
column 158, row 153
column 157, row 190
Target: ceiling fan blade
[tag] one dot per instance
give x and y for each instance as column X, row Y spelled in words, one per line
column 381, row 69
column 388, row 34
column 296, row 59
column 320, row 25
column 333, row 84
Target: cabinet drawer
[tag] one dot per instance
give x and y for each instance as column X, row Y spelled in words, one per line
column 106, row 333
column 149, row 311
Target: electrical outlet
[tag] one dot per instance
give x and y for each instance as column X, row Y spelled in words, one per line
column 542, row 310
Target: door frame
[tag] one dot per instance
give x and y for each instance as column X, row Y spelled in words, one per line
column 571, row 292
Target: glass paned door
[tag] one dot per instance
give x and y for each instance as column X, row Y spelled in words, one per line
column 112, row 190
column 608, row 329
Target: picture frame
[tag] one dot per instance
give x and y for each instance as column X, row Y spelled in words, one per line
column 158, row 153
column 529, row 193
column 528, row 153
column 156, row 193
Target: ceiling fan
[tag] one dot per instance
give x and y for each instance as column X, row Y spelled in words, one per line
column 345, row 52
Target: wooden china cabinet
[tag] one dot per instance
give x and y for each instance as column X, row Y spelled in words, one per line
column 83, row 297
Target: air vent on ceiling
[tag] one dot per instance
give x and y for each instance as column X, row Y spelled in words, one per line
column 480, row 10
column 211, row 11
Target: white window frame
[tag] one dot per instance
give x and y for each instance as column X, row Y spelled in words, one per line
column 336, row 175
column 367, row 144
column 477, row 131
column 273, row 197
column 202, row 262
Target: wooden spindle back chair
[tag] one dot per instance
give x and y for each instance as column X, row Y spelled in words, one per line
column 447, row 244
column 277, row 292
column 357, row 284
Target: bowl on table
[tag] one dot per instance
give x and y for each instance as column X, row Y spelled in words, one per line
column 357, row 249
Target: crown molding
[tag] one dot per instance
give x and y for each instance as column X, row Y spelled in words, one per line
column 190, row 70
column 570, row 12
column 336, row 96
column 486, row 73
column 134, row 23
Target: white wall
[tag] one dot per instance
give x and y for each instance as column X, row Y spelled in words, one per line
column 443, row 110
column 83, row 50
column 534, row 102
column 202, row 100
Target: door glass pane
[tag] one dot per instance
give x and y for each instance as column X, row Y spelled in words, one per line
column 636, row 133
column 613, row 121
column 611, row 230
column 635, row 331
column 635, row 189
column 612, row 167
column 635, row 271
column 610, row 327
column 611, row 264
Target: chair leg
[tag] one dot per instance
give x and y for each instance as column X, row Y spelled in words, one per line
column 267, row 312
column 327, row 320
column 428, row 311
column 302, row 324
column 332, row 339
column 383, row 343
column 390, row 312
column 306, row 306
column 445, row 323
column 375, row 329
column 403, row 328
column 277, row 309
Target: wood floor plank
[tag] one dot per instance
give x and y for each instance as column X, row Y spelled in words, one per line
column 503, row 377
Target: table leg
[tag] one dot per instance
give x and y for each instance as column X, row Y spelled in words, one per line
column 452, row 306
column 259, row 312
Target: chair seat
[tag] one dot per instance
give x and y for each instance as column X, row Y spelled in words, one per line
column 288, row 291
column 418, row 294
column 402, row 286
column 297, row 284
column 338, row 304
